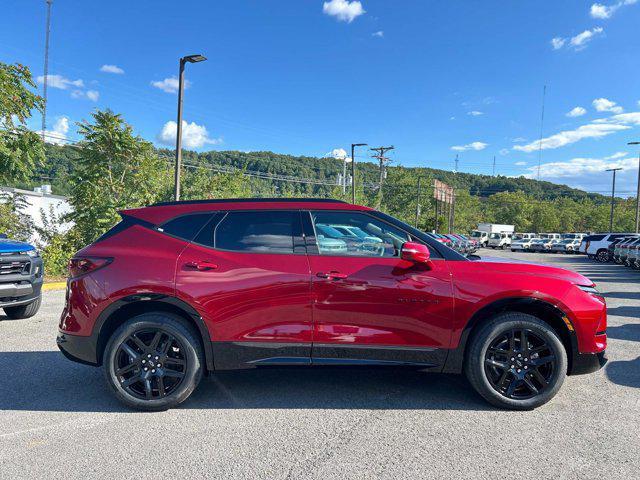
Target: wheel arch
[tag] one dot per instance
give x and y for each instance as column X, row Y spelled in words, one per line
column 545, row 311
column 128, row 307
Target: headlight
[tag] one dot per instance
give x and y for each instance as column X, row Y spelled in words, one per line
column 592, row 291
column 31, row 253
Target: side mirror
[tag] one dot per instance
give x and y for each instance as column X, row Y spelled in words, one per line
column 415, row 253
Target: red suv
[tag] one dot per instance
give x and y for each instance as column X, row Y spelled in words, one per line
column 177, row 290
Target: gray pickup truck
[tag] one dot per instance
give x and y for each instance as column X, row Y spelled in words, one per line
column 21, row 275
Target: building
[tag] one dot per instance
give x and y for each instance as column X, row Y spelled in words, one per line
column 40, row 201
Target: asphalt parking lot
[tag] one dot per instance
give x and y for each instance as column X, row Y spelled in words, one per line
column 57, row 418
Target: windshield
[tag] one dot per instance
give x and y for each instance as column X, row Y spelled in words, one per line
column 476, row 234
column 495, row 235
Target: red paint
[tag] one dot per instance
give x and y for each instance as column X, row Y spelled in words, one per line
column 310, row 298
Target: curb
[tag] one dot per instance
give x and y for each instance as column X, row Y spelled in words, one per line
column 54, row 286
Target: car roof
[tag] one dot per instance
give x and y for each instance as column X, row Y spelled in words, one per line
column 161, row 212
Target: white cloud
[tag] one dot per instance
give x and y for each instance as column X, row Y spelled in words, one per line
column 518, row 139
column 343, row 10
column 379, row 34
column 567, row 137
column 577, row 167
column 111, row 69
column 576, row 112
column 470, row 146
column 338, row 153
column 520, row 164
column 58, row 81
column 170, row 84
column 632, row 118
column 605, row 105
column 193, row 135
column 580, row 41
column 616, row 155
column 57, row 136
column 504, row 151
column 92, row 95
column 603, row 12
column 475, row 113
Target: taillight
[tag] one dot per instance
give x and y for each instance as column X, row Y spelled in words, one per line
column 82, row 265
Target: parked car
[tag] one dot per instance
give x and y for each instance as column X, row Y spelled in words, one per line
column 623, row 250
column 568, row 245
column 523, row 245
column 484, row 230
column 21, row 275
column 473, row 244
column 500, row 240
column 550, row 236
column 543, row 244
column 457, row 243
column 596, row 246
column 634, row 255
column 183, row 288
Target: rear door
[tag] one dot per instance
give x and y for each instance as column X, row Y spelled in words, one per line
column 248, row 275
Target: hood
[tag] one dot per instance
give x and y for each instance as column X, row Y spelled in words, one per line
column 12, row 246
column 521, row 267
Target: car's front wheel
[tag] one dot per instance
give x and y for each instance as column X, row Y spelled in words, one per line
column 516, row 361
column 23, row 311
column 153, row 361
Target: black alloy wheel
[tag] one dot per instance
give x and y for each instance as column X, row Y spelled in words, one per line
column 519, row 364
column 150, row 363
column 154, row 361
column 602, row 256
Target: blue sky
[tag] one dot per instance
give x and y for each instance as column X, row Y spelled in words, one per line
column 435, row 79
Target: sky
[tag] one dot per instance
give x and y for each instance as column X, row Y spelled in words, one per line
column 435, row 79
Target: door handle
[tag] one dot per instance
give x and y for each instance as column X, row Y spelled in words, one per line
column 202, row 265
column 332, row 275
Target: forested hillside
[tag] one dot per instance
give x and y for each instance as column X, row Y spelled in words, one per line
column 529, row 204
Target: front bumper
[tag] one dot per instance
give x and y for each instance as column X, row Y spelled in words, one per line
column 20, row 288
column 588, row 362
column 78, row 348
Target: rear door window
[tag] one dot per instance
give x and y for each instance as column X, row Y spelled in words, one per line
column 258, row 231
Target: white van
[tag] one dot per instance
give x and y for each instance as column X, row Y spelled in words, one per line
column 500, row 240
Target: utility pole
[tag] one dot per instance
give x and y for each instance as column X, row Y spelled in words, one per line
column 494, row 165
column 613, row 196
column 46, row 69
column 544, row 95
column 344, row 175
column 637, row 192
column 456, row 170
column 353, row 170
column 383, row 161
column 453, row 212
column 418, row 202
column 178, row 166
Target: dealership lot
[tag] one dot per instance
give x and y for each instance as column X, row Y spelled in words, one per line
column 57, row 418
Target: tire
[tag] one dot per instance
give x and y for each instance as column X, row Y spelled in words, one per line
column 502, row 247
column 175, row 388
column 522, row 397
column 513, row 250
column 24, row 311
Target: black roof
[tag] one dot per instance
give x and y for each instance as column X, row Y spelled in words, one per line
column 249, row 200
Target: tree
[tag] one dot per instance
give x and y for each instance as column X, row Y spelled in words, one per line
column 21, row 150
column 14, row 223
column 114, row 170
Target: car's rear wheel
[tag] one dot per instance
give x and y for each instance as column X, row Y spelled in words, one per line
column 23, row 311
column 516, row 361
column 602, row 256
column 153, row 361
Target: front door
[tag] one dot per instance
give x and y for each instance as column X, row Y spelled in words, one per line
column 248, row 275
column 369, row 305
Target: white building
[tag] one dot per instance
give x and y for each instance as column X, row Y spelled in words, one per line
column 40, row 200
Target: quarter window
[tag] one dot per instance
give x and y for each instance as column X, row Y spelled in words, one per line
column 356, row 234
column 260, row 232
column 186, row 226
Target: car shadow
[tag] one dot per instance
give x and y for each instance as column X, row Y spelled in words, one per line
column 624, row 311
column 625, row 373
column 629, row 331
column 46, row 381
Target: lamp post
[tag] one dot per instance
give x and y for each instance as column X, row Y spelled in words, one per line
column 637, row 192
column 353, row 169
column 183, row 62
column 613, row 196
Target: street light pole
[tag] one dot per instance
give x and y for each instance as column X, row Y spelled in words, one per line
column 637, row 192
column 613, row 196
column 178, row 166
column 353, row 169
